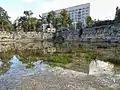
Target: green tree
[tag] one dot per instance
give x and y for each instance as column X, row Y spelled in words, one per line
column 40, row 22
column 33, row 23
column 15, row 25
column 23, row 23
column 117, row 15
column 57, row 23
column 28, row 15
column 5, row 24
column 65, row 19
column 51, row 18
column 61, row 21
column 79, row 27
column 42, row 19
column 28, row 23
column 89, row 20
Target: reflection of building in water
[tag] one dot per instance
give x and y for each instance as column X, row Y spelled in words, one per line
column 45, row 47
column 51, row 49
column 48, row 47
column 99, row 67
column 47, row 44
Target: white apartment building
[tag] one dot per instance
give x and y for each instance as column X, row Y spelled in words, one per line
column 77, row 13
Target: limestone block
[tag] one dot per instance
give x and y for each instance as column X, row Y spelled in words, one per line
column 98, row 67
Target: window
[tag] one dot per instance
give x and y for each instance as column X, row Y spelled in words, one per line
column 86, row 10
column 87, row 7
column 83, row 14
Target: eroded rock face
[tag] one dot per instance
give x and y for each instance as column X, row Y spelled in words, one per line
column 98, row 67
column 105, row 33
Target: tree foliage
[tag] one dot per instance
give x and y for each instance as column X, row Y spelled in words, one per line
column 27, row 22
column 62, row 20
column 89, row 20
column 79, row 27
column 51, row 17
column 65, row 19
column 28, row 13
column 5, row 24
column 59, row 21
column 117, row 15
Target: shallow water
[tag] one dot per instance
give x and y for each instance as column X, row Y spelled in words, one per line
column 22, row 63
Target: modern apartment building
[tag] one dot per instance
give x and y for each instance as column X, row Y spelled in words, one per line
column 77, row 13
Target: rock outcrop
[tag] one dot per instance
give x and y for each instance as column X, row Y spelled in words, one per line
column 106, row 33
column 99, row 67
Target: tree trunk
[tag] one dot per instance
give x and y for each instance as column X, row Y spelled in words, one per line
column 2, row 27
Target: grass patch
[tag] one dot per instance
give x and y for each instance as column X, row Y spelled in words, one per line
column 114, row 60
column 60, row 59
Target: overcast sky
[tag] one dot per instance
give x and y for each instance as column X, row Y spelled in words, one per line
column 100, row 9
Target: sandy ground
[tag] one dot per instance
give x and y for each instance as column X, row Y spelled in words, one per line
column 60, row 79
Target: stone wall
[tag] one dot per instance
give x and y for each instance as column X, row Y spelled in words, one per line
column 70, row 35
column 14, row 36
column 106, row 33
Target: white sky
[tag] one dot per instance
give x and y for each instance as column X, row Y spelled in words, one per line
column 100, row 9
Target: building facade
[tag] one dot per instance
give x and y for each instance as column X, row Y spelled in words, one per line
column 77, row 13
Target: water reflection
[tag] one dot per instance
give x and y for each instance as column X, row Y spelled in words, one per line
column 37, row 58
column 18, row 68
column 71, row 55
column 15, row 62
